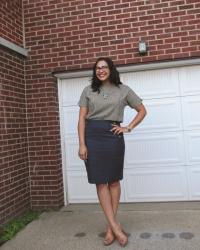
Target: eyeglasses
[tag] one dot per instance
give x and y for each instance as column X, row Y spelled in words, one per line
column 102, row 67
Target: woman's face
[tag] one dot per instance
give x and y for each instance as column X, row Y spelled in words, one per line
column 102, row 71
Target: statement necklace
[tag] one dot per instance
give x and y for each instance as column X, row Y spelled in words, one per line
column 105, row 95
column 106, row 91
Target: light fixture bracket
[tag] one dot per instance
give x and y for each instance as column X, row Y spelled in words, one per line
column 142, row 47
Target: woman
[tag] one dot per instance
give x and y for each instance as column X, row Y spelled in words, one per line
column 101, row 138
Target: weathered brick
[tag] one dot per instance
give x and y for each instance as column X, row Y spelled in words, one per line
column 14, row 180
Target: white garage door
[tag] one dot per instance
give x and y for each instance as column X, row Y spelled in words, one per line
column 162, row 158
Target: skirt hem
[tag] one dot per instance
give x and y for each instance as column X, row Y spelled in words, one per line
column 105, row 182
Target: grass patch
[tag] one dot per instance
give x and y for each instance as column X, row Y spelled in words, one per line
column 9, row 230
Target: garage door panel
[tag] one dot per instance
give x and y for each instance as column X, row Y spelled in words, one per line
column 194, row 177
column 79, row 190
column 189, row 80
column 71, row 154
column 155, row 149
column 153, row 84
column 71, row 90
column 162, row 157
column 191, row 114
column 163, row 115
column 157, row 185
column 70, row 118
column 193, row 147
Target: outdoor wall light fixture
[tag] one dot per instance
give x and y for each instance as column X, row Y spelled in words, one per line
column 142, row 47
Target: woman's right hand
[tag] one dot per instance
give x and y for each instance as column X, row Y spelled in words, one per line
column 83, row 152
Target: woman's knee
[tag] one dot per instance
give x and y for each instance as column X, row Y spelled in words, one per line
column 101, row 186
column 114, row 184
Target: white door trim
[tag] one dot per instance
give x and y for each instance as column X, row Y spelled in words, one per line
column 132, row 68
column 64, row 167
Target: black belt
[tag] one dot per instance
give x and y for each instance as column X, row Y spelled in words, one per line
column 111, row 121
column 114, row 122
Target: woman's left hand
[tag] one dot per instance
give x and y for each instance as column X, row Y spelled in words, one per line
column 118, row 129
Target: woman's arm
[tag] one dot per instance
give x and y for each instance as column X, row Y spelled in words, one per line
column 139, row 117
column 81, row 132
column 136, row 120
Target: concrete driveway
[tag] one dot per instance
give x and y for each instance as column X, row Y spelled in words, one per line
column 151, row 226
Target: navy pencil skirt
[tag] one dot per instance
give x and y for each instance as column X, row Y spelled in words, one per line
column 106, row 150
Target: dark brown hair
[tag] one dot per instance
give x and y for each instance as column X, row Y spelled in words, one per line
column 114, row 74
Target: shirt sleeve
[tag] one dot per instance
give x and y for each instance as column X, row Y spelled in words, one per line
column 83, row 100
column 132, row 99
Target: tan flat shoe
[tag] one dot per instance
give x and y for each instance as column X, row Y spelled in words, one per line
column 108, row 242
column 121, row 236
column 123, row 242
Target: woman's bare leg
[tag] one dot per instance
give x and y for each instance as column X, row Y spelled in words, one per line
column 115, row 191
column 105, row 199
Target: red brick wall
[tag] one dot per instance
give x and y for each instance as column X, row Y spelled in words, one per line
column 71, row 34
column 64, row 35
column 44, row 142
column 11, row 25
column 14, row 171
